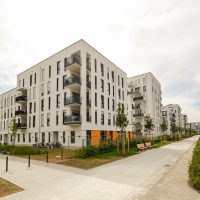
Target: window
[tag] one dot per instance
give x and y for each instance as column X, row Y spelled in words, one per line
column 42, row 104
column 102, row 101
column 102, row 85
column 122, row 83
column 49, row 71
column 49, row 103
column 96, row 99
column 113, row 77
column 24, row 139
column 95, row 65
column 35, row 78
column 123, row 95
column 36, row 137
column 102, row 70
column 113, row 120
column 33, row 120
column 31, row 80
column 23, row 83
column 18, row 137
column 108, row 74
column 48, row 87
column 96, row 82
column 108, row 103
column 102, row 118
column 95, row 116
column 29, row 137
column 58, row 101
column 43, row 74
column 144, row 89
column 58, row 67
column 72, row 137
column 34, row 92
column 113, row 90
column 57, row 117
column 64, row 137
column 108, row 88
column 30, row 107
column 43, row 137
column 109, row 119
column 42, row 89
column 118, row 80
column 49, row 137
column 48, row 119
column 113, row 104
column 57, row 84
column 29, row 122
column 119, row 93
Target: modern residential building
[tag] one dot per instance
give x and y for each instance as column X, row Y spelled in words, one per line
column 144, row 100
column 194, row 126
column 167, row 117
column 184, row 121
column 70, row 97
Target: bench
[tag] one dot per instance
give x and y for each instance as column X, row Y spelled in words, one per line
column 141, row 147
column 148, row 145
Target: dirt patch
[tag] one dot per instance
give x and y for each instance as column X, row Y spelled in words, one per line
column 7, row 188
column 88, row 163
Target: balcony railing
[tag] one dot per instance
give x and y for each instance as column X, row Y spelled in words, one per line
column 138, row 114
column 20, row 112
column 88, row 65
column 21, row 98
column 72, row 80
column 72, row 100
column 21, row 125
column 75, row 59
column 72, row 119
column 88, row 103
column 88, row 84
column 138, row 98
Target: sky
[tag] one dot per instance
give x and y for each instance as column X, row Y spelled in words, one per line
column 139, row 36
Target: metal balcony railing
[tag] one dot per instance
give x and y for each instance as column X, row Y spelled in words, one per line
column 138, row 98
column 21, row 125
column 138, row 114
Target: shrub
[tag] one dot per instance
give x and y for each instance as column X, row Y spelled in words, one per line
column 169, row 137
column 21, row 150
column 157, row 139
column 86, row 152
column 194, row 168
column 105, row 148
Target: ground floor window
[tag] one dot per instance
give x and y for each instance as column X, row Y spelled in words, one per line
column 63, row 136
column 18, row 137
column 36, row 137
column 72, row 137
column 29, row 137
column 49, row 137
column 24, row 139
column 43, row 137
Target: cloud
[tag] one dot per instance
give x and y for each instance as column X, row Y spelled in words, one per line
column 137, row 35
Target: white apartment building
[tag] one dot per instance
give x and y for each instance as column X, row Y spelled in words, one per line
column 144, row 100
column 70, row 97
column 194, row 126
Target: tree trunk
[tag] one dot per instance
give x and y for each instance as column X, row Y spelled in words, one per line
column 123, row 142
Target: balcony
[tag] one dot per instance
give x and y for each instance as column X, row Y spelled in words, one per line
column 72, row 119
column 21, row 125
column 88, row 84
column 73, row 64
column 138, row 115
column 22, row 89
column 73, row 83
column 73, row 101
column 137, row 124
column 21, row 99
column 140, row 98
column 20, row 113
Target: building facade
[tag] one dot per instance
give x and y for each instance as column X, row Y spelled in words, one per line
column 194, row 126
column 144, row 100
column 70, row 97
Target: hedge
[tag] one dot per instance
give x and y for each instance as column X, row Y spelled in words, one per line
column 21, row 150
column 194, row 168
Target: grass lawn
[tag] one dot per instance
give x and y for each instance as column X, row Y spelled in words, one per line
column 7, row 188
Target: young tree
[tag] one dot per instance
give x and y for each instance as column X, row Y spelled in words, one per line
column 13, row 129
column 173, row 128
column 149, row 124
column 122, row 122
column 163, row 127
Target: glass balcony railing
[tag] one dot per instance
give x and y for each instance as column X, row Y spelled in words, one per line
column 88, row 84
column 138, row 98
column 20, row 112
column 72, row 100
column 72, row 80
column 21, row 125
column 75, row 59
column 21, row 98
column 138, row 114
column 72, row 119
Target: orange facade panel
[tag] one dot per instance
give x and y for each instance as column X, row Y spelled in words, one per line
column 95, row 137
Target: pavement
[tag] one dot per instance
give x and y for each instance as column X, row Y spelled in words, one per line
column 124, row 179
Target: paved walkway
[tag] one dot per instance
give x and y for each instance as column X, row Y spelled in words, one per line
column 123, row 179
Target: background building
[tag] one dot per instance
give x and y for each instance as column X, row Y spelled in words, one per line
column 194, row 126
column 144, row 100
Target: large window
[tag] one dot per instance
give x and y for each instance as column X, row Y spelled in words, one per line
column 58, row 101
column 72, row 137
column 58, row 67
column 102, row 101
